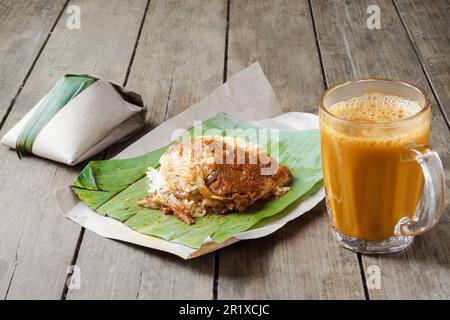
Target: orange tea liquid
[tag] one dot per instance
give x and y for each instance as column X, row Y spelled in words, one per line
column 369, row 188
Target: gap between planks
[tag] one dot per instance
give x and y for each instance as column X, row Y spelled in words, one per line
column 13, row 101
column 217, row 253
column 105, row 152
column 427, row 77
column 422, row 64
column 27, row 75
column 325, row 84
column 225, row 76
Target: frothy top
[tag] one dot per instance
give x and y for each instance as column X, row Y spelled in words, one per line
column 375, row 107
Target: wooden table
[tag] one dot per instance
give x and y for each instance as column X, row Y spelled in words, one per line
column 175, row 52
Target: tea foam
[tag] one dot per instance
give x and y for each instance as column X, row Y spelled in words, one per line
column 375, row 107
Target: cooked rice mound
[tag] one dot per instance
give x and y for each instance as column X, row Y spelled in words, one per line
column 213, row 174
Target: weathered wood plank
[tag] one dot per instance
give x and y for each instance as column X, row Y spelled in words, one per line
column 428, row 24
column 24, row 26
column 179, row 60
column 350, row 50
column 36, row 242
column 302, row 259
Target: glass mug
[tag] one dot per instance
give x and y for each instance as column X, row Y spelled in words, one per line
column 384, row 184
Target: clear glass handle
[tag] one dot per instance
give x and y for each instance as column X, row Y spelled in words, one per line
column 432, row 202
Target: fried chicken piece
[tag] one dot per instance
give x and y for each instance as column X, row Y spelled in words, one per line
column 244, row 184
column 215, row 174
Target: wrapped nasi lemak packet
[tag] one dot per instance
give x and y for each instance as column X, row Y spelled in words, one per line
column 80, row 116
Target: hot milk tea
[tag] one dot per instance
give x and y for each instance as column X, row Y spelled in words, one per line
column 369, row 186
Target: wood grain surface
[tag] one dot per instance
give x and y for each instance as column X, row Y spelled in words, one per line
column 291, row 263
column 354, row 51
column 179, row 60
column 24, row 29
column 37, row 242
column 174, row 53
column 427, row 24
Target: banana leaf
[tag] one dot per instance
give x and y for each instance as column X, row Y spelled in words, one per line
column 112, row 187
column 64, row 90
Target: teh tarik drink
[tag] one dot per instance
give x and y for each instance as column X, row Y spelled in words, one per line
column 363, row 169
column 375, row 155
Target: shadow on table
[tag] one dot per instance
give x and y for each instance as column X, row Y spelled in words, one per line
column 118, row 147
column 262, row 247
column 249, row 255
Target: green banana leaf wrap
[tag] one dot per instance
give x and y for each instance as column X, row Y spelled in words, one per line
column 67, row 88
column 112, row 187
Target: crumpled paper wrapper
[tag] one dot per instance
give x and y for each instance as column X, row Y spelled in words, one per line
column 101, row 115
column 247, row 96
